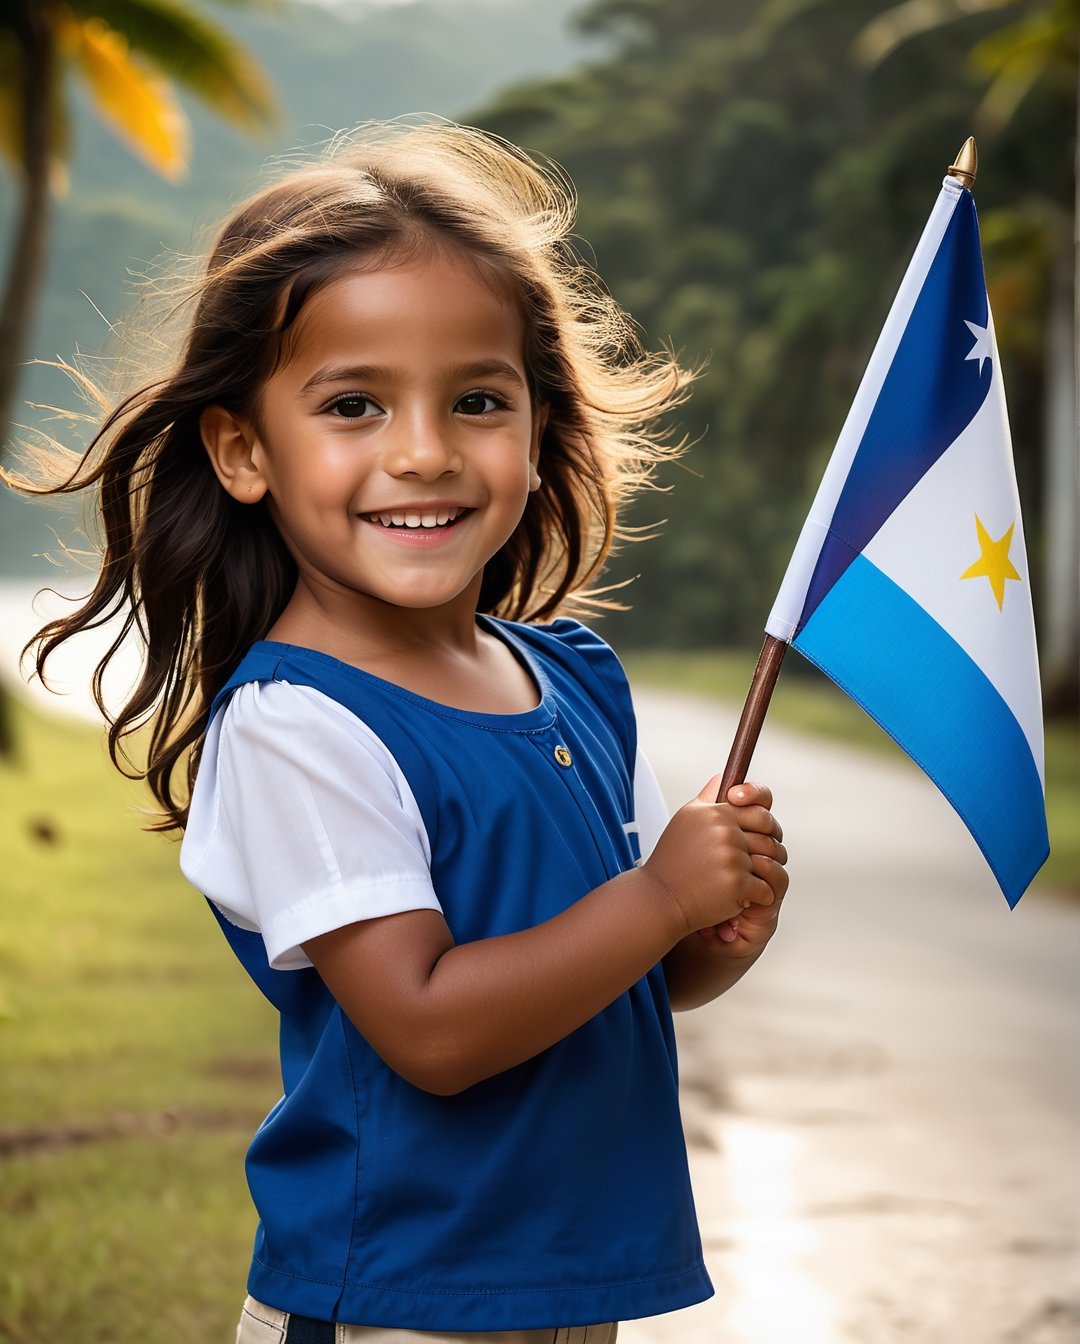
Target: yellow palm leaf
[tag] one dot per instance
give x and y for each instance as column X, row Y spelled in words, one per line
column 893, row 27
column 139, row 105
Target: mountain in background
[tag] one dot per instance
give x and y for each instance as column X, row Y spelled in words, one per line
column 331, row 69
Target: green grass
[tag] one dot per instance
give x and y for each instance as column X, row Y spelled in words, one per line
column 124, row 1015
column 806, row 700
column 129, row 1242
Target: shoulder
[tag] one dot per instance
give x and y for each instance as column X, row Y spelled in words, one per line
column 282, row 719
column 568, row 641
column 271, row 740
column 577, row 661
column 584, row 655
column 570, row 634
column 301, row 820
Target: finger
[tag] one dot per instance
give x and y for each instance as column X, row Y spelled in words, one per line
column 709, row 793
column 715, row 935
column 758, row 890
column 766, row 845
column 750, row 792
column 773, row 874
column 760, row 819
column 757, row 920
column 761, row 916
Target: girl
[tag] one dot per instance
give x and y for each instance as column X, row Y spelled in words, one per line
column 394, row 445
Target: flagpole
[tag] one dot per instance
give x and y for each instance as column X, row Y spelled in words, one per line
column 753, row 714
column 963, row 168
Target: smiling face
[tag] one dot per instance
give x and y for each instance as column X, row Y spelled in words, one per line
column 397, row 443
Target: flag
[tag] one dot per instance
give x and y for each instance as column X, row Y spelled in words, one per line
column 909, row 585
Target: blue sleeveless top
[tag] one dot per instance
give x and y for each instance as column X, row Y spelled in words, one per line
column 555, row 1193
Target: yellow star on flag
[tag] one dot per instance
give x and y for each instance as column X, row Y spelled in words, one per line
column 993, row 562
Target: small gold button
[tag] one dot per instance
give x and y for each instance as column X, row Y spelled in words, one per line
column 563, row 756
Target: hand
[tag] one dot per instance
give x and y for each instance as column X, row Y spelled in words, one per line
column 709, row 856
column 749, row 931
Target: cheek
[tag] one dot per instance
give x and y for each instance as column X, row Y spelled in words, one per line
column 517, row 470
column 516, row 491
column 315, row 480
column 517, row 496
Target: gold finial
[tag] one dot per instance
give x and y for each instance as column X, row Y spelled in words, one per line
column 967, row 163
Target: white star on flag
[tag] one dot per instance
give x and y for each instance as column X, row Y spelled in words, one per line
column 981, row 349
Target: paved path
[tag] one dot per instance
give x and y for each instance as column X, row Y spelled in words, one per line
column 885, row 1116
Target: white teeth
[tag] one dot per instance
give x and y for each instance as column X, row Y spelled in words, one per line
column 432, row 518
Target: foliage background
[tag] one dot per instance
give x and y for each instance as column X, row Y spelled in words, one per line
column 747, row 190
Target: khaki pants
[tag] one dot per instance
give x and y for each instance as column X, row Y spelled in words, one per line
column 260, row 1324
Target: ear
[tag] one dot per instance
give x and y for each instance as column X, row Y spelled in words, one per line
column 230, row 442
column 539, row 424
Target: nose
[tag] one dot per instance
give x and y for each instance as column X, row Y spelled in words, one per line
column 422, row 445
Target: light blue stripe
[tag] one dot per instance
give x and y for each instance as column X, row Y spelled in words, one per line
column 883, row 649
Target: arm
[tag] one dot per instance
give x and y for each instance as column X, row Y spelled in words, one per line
column 445, row 1015
column 707, row 963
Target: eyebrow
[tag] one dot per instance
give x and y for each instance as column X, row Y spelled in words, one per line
column 362, row 373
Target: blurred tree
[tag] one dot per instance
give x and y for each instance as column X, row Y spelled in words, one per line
column 752, row 194
column 1037, row 41
column 130, row 54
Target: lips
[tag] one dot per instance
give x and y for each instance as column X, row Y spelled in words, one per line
column 426, row 517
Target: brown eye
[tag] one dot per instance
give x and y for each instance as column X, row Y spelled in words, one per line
column 353, row 407
column 479, row 403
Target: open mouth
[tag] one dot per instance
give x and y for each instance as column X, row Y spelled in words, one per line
column 417, row 519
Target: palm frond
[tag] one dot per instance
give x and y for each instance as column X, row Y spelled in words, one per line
column 892, row 28
column 191, row 50
column 1018, row 57
column 1050, row 36
column 137, row 103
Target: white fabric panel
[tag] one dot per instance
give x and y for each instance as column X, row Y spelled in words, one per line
column 930, row 539
column 653, row 813
column 301, row 821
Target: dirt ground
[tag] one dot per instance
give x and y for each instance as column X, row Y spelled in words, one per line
column 884, row 1117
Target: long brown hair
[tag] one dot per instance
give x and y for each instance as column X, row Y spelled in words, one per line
column 201, row 577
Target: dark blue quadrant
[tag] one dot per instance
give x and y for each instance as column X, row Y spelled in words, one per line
column 930, row 394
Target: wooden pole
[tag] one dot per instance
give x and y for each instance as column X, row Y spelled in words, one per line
column 753, row 715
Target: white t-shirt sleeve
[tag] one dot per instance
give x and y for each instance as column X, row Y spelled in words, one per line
column 652, row 813
column 301, row 821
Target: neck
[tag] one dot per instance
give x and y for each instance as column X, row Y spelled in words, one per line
column 436, row 652
column 363, row 630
